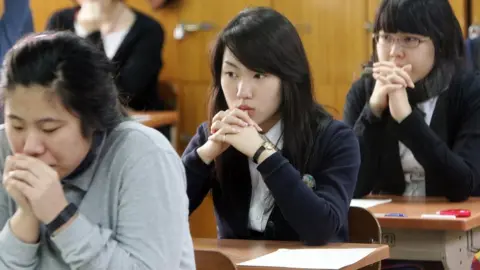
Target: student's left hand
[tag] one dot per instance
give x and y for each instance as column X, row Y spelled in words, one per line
column 399, row 106
column 40, row 184
column 247, row 141
column 398, row 103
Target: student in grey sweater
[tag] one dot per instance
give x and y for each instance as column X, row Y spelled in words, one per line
column 83, row 187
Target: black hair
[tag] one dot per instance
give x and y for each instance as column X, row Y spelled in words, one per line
column 431, row 18
column 264, row 40
column 76, row 71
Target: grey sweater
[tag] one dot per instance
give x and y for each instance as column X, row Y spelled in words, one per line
column 133, row 210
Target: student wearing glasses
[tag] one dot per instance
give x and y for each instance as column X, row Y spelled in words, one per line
column 416, row 111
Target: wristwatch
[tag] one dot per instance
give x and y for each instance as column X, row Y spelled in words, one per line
column 266, row 145
column 65, row 215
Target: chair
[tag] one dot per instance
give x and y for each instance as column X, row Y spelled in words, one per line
column 168, row 93
column 212, row 260
column 364, row 228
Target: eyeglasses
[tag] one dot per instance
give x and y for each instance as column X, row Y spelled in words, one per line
column 404, row 41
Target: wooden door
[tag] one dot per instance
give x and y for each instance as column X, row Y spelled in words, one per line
column 43, row 9
column 475, row 12
column 460, row 10
column 336, row 40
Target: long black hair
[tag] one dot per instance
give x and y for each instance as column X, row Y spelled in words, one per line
column 264, row 40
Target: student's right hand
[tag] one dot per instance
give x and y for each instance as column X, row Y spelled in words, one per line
column 388, row 78
column 89, row 16
column 223, row 123
column 17, row 196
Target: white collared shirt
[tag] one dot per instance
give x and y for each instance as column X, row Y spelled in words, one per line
column 262, row 202
column 413, row 171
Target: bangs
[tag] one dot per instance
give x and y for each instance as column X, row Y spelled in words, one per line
column 252, row 50
column 403, row 16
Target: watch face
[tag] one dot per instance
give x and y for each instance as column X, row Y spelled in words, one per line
column 269, row 146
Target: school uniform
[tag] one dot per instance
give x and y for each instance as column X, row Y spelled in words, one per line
column 272, row 200
column 136, row 53
column 435, row 151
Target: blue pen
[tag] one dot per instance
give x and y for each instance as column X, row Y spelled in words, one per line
column 395, row 215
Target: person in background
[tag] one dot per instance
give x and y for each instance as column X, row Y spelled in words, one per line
column 279, row 167
column 15, row 22
column 132, row 40
column 417, row 116
column 83, row 186
column 416, row 113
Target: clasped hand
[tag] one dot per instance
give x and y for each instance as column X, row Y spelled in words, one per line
column 390, row 90
column 34, row 186
column 235, row 128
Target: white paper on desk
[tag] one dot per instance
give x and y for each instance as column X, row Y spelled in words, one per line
column 140, row 117
column 367, row 203
column 311, row 258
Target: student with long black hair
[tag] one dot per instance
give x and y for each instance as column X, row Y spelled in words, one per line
column 279, row 167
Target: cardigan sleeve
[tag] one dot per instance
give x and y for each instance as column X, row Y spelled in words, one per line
column 369, row 130
column 198, row 173
column 317, row 214
column 459, row 166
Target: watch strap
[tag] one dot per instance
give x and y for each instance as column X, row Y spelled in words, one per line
column 63, row 217
column 258, row 153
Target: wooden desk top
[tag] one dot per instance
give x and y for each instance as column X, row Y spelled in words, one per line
column 414, row 207
column 244, row 250
column 156, row 119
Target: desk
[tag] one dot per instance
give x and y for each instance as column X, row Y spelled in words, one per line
column 244, row 250
column 453, row 242
column 156, row 119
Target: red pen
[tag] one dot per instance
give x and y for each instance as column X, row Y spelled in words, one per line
column 455, row 212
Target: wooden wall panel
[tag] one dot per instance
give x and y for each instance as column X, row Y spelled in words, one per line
column 460, row 9
column 43, row 9
column 335, row 38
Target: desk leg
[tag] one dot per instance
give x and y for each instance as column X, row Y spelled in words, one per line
column 456, row 253
column 451, row 248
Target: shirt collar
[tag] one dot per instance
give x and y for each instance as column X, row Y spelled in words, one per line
column 82, row 176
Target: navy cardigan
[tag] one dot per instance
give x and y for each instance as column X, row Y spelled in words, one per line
column 315, row 215
column 448, row 148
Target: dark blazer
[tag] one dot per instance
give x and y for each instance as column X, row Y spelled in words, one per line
column 315, row 216
column 138, row 60
column 448, row 149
